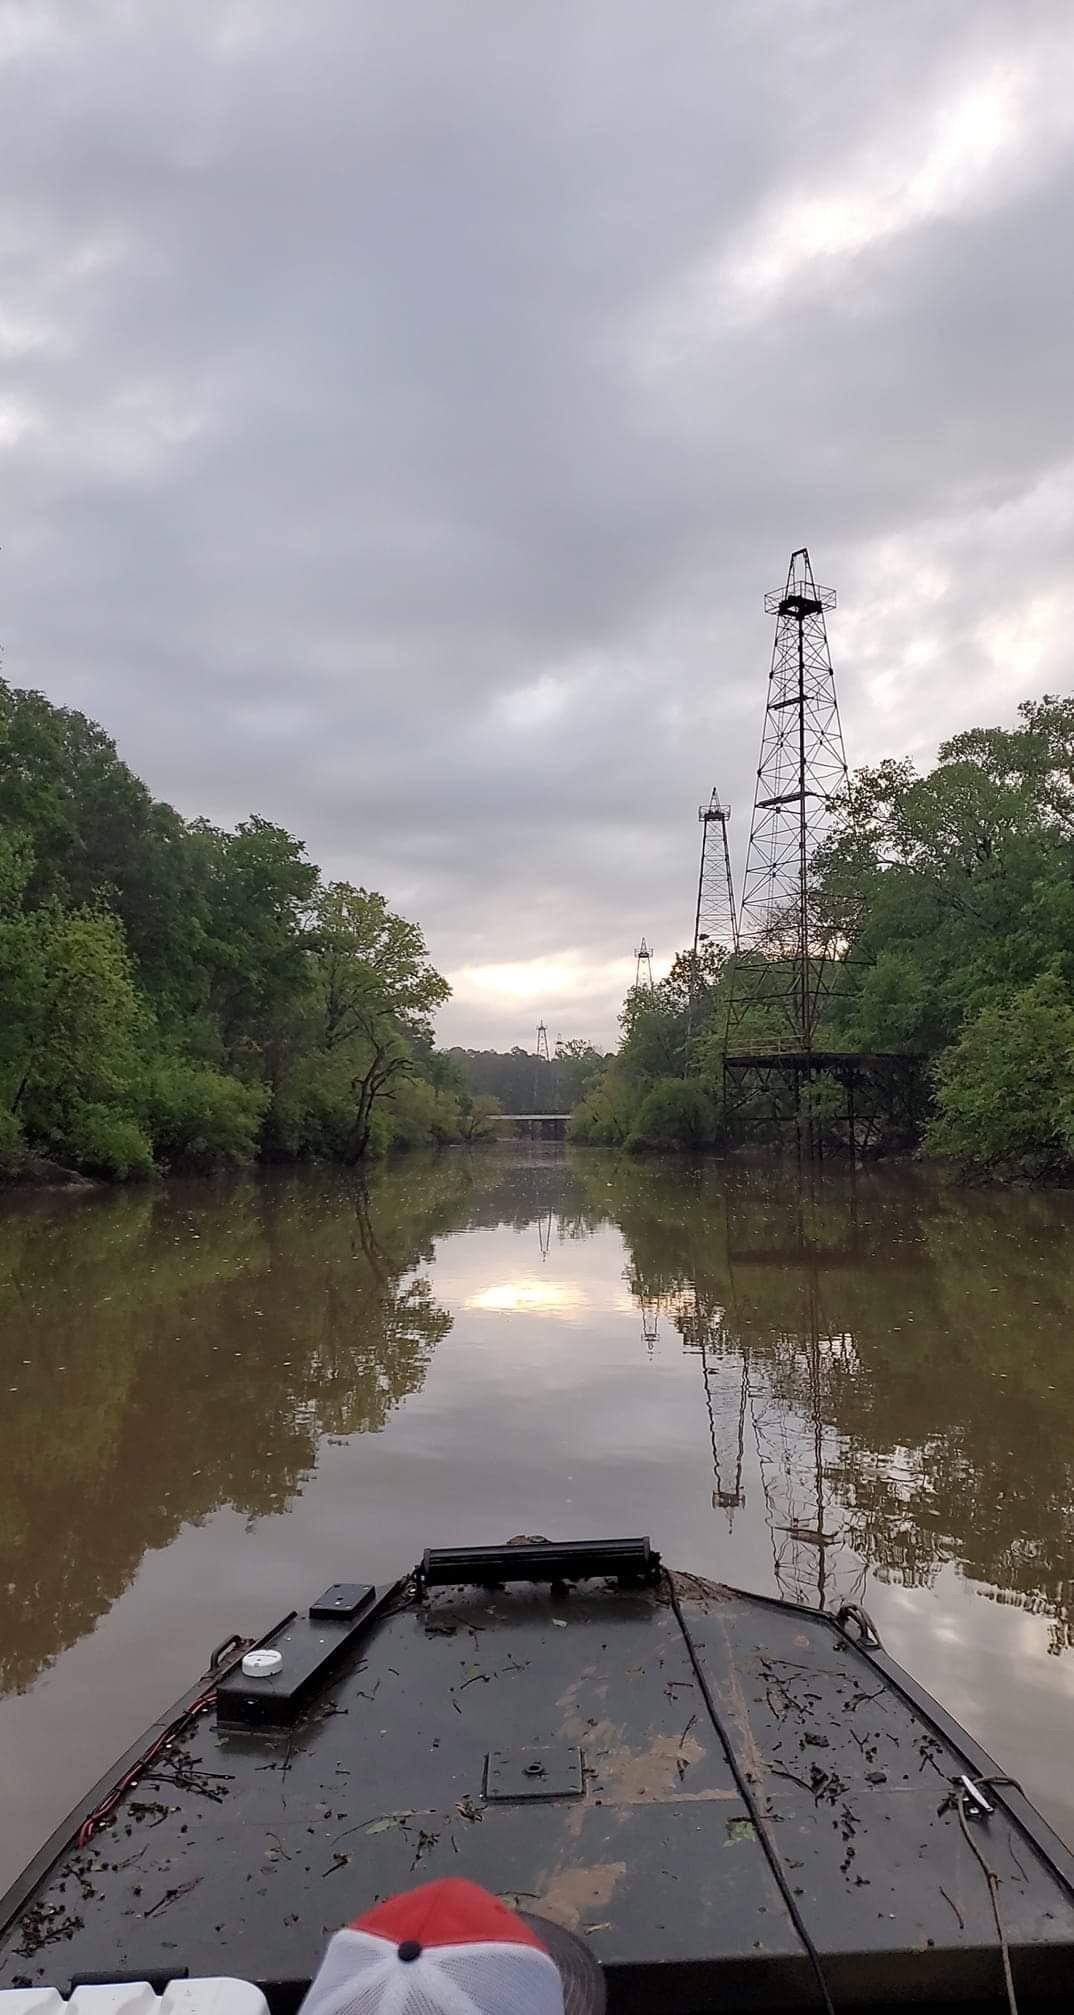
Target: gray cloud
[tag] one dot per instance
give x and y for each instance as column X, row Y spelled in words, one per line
column 405, row 409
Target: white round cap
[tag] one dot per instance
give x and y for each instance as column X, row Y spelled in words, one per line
column 261, row 1664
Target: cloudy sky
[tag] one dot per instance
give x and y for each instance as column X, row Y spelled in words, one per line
column 405, row 406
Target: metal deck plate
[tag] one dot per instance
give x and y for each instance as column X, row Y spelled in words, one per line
column 535, row 1773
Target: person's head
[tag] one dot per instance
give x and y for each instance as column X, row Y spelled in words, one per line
column 450, row 1948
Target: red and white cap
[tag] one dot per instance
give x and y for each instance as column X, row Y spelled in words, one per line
column 450, row 1948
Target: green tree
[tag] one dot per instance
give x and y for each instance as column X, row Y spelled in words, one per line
column 606, row 1114
column 258, row 891
column 477, row 1117
column 675, row 1113
column 97, row 835
column 1005, row 1089
column 199, row 1118
column 74, row 1055
column 376, row 993
column 577, row 1064
column 171, row 988
column 952, row 888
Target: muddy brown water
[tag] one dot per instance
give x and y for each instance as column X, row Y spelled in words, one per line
column 220, row 1397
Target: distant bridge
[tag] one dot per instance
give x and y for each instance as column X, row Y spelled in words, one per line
column 542, row 1125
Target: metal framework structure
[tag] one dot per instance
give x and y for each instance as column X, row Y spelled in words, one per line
column 715, row 918
column 643, row 956
column 802, row 766
column 883, row 1094
column 783, row 975
column 542, row 1056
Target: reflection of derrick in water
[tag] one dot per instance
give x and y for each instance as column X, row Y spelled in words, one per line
column 725, row 1371
column 651, row 1303
column 794, row 1475
column 727, row 1423
column 787, row 1407
column 544, row 1232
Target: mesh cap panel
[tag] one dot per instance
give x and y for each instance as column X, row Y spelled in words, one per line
column 362, row 1974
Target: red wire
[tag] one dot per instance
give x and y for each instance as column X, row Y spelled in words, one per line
column 108, row 1804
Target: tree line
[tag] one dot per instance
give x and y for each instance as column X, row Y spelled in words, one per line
column 172, row 994
column 943, row 906
column 520, row 1081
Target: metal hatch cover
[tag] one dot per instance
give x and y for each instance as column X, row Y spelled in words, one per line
column 552, row 1772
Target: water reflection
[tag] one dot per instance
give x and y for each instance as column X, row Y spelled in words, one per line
column 167, row 1352
column 892, row 1361
column 882, row 1368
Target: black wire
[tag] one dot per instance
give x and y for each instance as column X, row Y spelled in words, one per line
column 993, row 1890
column 760, row 1823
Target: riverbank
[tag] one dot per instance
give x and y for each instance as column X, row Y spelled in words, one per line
column 35, row 1171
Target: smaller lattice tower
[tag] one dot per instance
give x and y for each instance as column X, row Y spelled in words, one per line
column 802, row 767
column 715, row 921
column 643, row 966
column 542, row 1077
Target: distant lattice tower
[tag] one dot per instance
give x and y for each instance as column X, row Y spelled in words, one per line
column 643, row 968
column 715, row 921
column 802, row 767
column 541, row 1080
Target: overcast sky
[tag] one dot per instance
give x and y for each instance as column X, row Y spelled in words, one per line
column 405, row 407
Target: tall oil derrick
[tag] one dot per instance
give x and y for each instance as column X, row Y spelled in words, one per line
column 643, row 966
column 541, row 1057
column 802, row 767
column 715, row 921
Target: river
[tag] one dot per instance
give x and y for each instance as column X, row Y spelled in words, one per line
column 220, row 1397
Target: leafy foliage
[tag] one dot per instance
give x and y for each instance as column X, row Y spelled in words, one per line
column 675, row 1113
column 954, row 894
column 478, row 1116
column 197, row 1117
column 172, row 993
column 1005, row 1089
